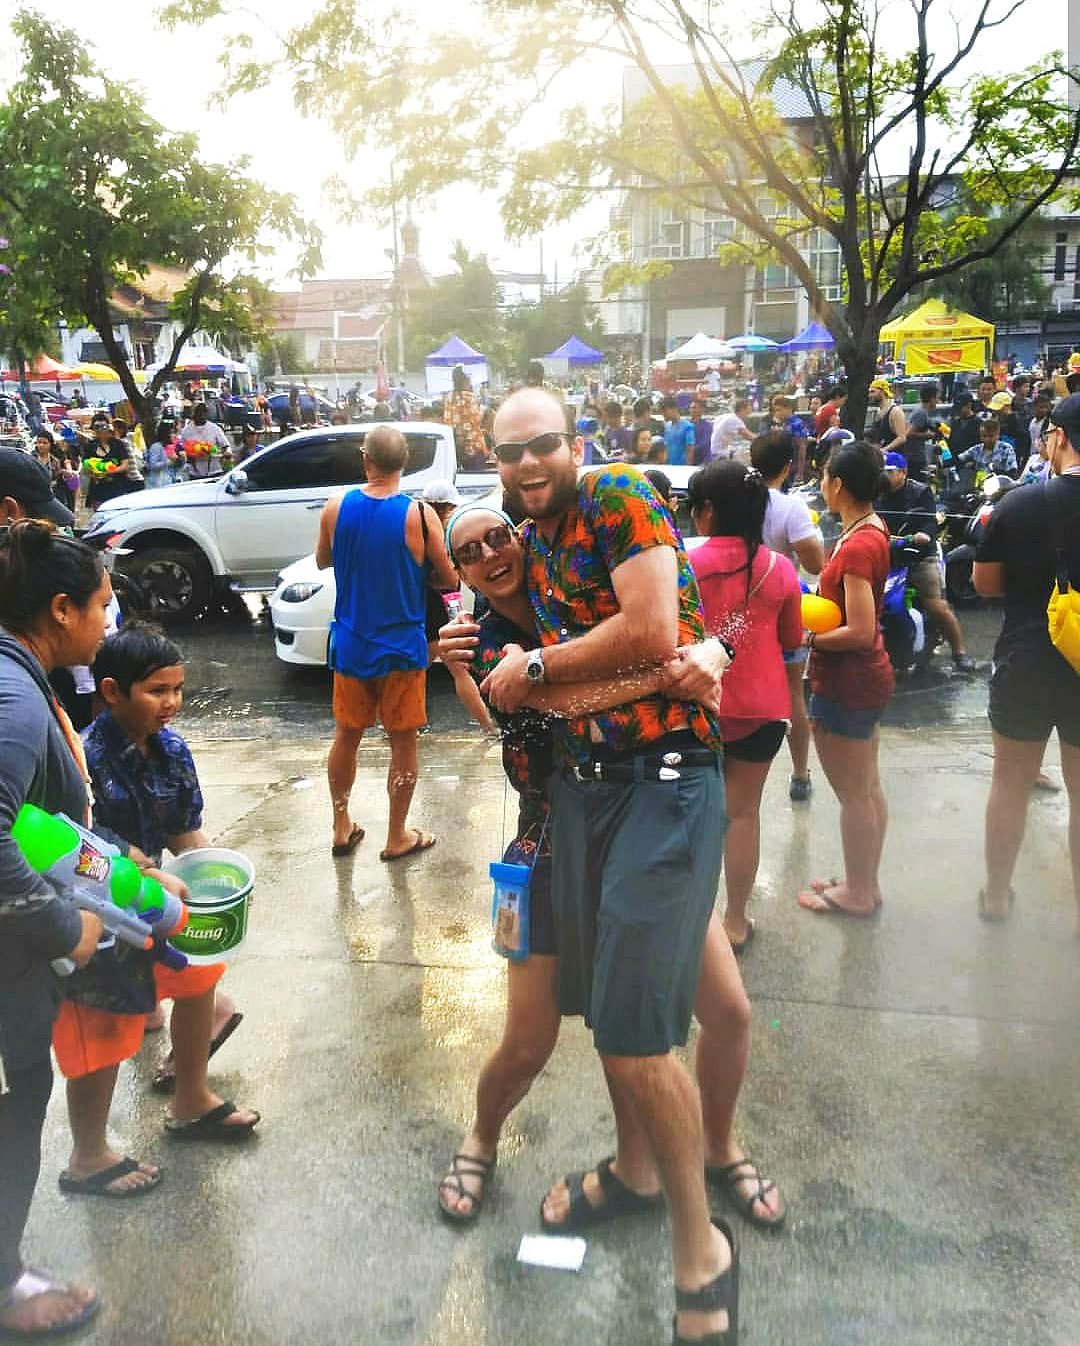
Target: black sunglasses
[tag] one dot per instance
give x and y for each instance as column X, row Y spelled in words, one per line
column 543, row 444
column 495, row 539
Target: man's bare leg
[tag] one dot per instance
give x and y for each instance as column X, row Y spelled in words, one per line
column 400, row 784
column 341, row 773
column 667, row 1105
column 89, row 1099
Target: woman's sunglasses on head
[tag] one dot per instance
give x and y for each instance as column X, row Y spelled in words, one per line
column 542, row 445
column 495, row 539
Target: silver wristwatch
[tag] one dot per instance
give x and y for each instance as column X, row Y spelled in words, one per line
column 534, row 666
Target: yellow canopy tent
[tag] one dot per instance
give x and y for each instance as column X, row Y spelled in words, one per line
column 936, row 339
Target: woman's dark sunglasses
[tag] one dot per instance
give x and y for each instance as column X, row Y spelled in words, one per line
column 539, row 444
column 495, row 539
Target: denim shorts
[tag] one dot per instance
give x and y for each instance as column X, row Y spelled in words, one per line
column 846, row 721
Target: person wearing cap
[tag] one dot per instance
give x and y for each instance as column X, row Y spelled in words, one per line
column 381, row 544
column 26, row 491
column 889, row 430
column 909, row 510
column 1031, row 534
column 112, row 451
column 1001, row 404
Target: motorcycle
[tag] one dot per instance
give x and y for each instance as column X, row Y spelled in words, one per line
column 959, row 585
column 910, row 635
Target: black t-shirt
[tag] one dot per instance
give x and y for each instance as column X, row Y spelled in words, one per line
column 909, row 510
column 964, row 434
column 1021, row 534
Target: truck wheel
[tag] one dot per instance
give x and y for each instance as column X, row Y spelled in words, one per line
column 176, row 581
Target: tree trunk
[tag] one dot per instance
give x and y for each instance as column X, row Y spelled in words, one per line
column 860, row 365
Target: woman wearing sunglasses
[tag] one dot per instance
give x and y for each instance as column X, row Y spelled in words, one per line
column 488, row 555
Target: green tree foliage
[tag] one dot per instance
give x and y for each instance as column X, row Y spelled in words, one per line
column 281, row 354
column 1003, row 288
column 464, row 303
column 536, row 329
column 94, row 192
column 889, row 134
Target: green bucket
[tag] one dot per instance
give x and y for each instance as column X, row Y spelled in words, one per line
column 220, row 882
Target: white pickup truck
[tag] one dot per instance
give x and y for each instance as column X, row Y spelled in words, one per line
column 239, row 530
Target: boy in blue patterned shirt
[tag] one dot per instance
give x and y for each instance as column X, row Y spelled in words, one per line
column 146, row 790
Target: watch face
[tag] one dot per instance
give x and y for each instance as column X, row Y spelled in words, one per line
column 534, row 667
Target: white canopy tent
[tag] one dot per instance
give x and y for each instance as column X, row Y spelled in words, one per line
column 702, row 347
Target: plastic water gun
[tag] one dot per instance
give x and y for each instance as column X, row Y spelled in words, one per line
column 196, row 449
column 96, row 877
column 103, row 467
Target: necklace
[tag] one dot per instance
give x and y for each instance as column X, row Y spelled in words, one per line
column 854, row 524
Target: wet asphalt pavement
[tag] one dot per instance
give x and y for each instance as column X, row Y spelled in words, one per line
column 236, row 687
column 913, row 1082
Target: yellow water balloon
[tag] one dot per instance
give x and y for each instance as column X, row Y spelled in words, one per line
column 820, row 614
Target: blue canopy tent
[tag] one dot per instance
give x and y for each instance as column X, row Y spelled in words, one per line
column 812, row 338
column 440, row 364
column 576, row 352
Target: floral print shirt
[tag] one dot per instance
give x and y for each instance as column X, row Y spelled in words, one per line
column 617, row 515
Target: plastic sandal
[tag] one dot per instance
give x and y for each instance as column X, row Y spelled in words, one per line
column 728, row 1178
column 32, row 1284
column 619, row 1200
column 480, row 1168
column 721, row 1293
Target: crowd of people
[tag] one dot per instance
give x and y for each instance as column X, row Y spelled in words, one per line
column 642, row 695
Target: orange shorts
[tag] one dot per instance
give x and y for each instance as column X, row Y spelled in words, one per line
column 86, row 1039
column 399, row 700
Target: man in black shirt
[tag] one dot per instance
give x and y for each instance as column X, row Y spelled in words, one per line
column 964, row 426
column 908, row 509
column 1032, row 533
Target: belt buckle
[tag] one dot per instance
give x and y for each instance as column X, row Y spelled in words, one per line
column 672, row 759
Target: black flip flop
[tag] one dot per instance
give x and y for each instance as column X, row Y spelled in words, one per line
column 164, row 1081
column 481, row 1168
column 740, row 946
column 97, row 1184
column 423, row 842
column 341, row 848
column 727, row 1177
column 619, row 1200
column 211, row 1125
column 50, row 1287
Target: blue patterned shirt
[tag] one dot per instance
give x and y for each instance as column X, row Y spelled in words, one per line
column 144, row 798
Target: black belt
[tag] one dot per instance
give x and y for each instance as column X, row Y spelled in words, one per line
column 646, row 766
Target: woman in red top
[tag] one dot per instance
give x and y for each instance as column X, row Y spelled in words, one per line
column 851, row 679
column 752, row 600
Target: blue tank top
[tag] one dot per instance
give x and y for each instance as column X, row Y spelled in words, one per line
column 378, row 623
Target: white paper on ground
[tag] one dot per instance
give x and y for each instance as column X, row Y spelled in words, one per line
column 552, row 1250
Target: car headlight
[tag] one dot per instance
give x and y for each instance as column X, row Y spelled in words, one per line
column 299, row 593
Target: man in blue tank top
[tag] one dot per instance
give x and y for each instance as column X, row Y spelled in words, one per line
column 382, row 545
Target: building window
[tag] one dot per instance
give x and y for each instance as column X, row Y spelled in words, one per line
column 667, row 232
column 717, row 228
column 1059, row 256
column 823, row 256
column 775, row 285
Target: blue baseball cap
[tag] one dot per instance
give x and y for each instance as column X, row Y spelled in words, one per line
column 896, row 461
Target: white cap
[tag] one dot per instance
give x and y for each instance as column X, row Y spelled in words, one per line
column 441, row 493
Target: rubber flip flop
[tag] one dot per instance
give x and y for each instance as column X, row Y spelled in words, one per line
column 823, row 905
column 356, row 836
column 164, row 1081
column 739, row 947
column 211, row 1125
column 31, row 1285
column 97, row 1184
column 995, row 917
column 424, row 842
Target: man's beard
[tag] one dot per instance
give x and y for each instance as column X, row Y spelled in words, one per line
column 563, row 494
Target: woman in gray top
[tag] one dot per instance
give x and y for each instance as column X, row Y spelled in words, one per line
column 53, row 596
